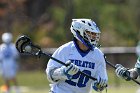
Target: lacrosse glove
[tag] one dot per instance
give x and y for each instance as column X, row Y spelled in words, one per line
column 62, row 73
column 122, row 72
column 70, row 70
column 100, row 84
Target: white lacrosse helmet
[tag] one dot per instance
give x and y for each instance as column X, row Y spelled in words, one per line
column 7, row 37
column 86, row 31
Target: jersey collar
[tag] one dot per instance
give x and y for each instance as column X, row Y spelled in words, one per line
column 81, row 52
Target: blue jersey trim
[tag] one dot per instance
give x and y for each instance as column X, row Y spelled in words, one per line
column 89, row 45
column 81, row 52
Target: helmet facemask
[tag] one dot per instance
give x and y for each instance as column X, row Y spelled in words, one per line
column 91, row 37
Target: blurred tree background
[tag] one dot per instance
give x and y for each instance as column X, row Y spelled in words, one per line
column 47, row 22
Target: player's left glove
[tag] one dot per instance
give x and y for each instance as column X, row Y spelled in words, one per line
column 100, row 84
column 122, row 72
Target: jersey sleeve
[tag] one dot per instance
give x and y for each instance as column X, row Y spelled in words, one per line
column 15, row 52
column 60, row 54
column 101, row 70
column 0, row 53
column 137, row 65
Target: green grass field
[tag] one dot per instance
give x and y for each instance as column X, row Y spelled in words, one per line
column 36, row 82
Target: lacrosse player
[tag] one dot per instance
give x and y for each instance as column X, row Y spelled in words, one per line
column 81, row 54
column 8, row 57
column 127, row 74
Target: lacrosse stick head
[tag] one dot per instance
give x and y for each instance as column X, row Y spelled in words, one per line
column 23, row 42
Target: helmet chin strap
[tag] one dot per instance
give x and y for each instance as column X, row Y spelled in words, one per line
column 86, row 43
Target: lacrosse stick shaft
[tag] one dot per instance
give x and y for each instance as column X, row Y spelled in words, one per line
column 45, row 54
column 113, row 66
column 24, row 41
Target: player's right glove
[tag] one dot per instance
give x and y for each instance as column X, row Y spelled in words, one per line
column 63, row 73
column 70, row 70
column 122, row 72
column 100, row 84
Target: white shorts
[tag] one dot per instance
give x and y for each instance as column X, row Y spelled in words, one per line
column 9, row 71
column 9, row 74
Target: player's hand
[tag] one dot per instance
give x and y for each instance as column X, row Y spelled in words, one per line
column 100, row 84
column 70, row 70
column 122, row 72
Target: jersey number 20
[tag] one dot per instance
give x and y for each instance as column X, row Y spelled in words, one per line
column 82, row 79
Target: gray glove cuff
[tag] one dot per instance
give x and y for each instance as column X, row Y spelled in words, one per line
column 134, row 73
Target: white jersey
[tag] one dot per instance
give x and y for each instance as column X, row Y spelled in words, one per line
column 137, row 65
column 91, row 63
column 8, row 56
column 138, row 49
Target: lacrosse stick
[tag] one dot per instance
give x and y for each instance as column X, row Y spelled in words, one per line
column 25, row 46
column 113, row 66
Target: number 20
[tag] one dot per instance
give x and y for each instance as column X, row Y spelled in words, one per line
column 82, row 79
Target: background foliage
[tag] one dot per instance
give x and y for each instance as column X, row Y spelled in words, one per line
column 48, row 21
